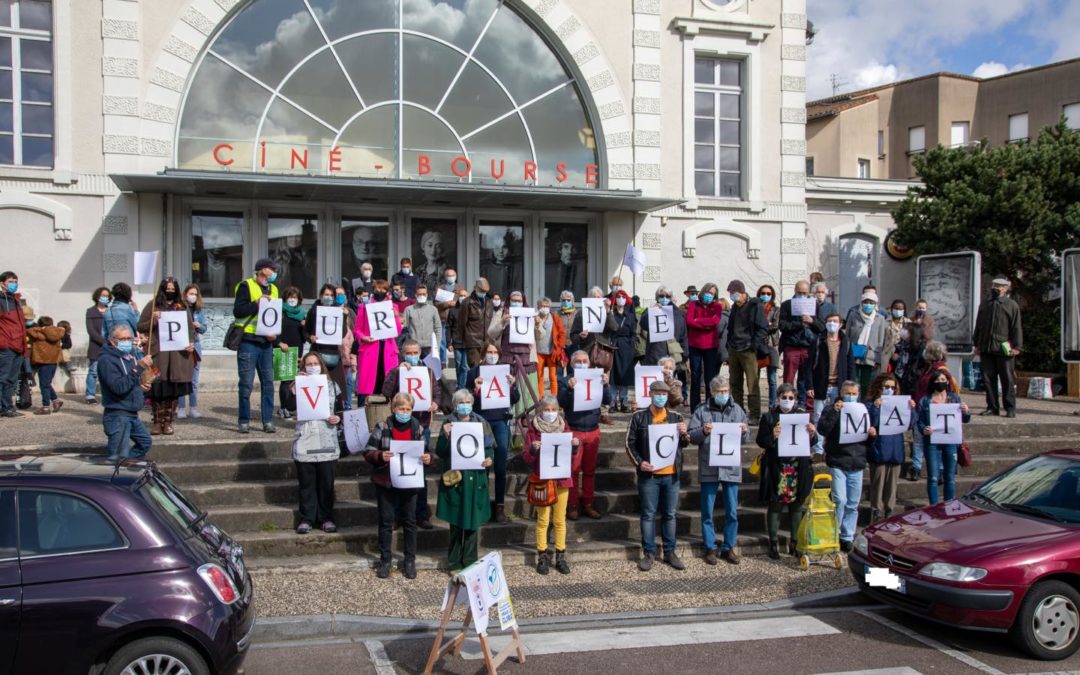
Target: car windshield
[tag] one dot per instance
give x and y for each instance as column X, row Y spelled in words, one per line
column 1047, row 486
column 160, row 492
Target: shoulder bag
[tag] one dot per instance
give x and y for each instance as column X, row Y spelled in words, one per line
column 235, row 335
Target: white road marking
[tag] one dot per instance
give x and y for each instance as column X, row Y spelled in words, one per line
column 379, row 658
column 644, row 637
column 880, row 671
column 930, row 642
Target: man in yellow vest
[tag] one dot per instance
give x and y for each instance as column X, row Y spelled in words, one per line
column 256, row 352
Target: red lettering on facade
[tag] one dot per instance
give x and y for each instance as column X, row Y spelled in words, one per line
column 262, row 161
column 335, row 158
column 530, row 170
column 217, row 154
column 502, row 169
column 298, row 158
column 592, row 174
column 458, row 161
column 424, row 164
column 560, row 172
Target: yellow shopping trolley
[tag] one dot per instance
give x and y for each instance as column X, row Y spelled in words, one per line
column 818, row 537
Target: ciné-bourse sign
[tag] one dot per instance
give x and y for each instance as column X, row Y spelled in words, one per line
column 275, row 159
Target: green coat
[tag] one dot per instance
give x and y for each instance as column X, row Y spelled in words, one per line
column 468, row 504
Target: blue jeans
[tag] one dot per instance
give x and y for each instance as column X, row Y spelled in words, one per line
column 731, row 514
column 501, row 430
column 192, row 399
column 940, row 460
column 45, row 375
column 122, row 429
column 662, row 492
column 91, row 380
column 847, row 492
column 461, row 366
column 819, row 405
column 255, row 357
column 620, row 393
column 350, row 387
column 11, row 363
column 770, row 376
column 442, row 347
column 918, row 449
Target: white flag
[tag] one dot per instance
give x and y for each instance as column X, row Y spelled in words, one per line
column 146, row 264
column 432, row 359
column 635, row 260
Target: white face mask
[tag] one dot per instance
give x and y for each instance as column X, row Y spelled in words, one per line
column 620, row 301
column 192, row 298
column 496, row 303
column 421, row 299
column 292, row 302
column 786, row 405
column 312, row 369
column 549, row 415
column 365, row 275
column 544, row 311
column 491, row 359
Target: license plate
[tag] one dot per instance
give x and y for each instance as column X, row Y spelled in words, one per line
column 881, row 577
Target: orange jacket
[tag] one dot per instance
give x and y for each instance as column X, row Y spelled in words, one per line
column 45, row 346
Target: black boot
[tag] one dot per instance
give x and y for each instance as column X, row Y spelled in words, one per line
column 560, row 562
column 543, row 562
column 774, row 550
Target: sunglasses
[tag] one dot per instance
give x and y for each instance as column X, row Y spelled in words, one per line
column 664, row 296
column 787, row 398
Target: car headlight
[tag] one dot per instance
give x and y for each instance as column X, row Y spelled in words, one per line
column 950, row 572
column 862, row 544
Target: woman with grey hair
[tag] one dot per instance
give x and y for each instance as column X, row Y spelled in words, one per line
column 678, row 347
column 719, row 409
column 464, row 501
column 583, row 340
column 934, row 357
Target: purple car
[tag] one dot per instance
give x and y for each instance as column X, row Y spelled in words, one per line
column 108, row 568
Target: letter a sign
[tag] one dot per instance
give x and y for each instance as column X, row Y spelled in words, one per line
column 381, row 321
column 312, row 398
column 663, row 444
column 555, row 452
column 495, row 390
column 467, row 446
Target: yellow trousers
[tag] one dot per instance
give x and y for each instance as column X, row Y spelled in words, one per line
column 543, row 516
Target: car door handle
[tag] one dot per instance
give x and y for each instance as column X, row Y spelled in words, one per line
column 4, row 602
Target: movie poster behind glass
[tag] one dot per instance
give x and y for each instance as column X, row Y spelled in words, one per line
column 434, row 249
column 1070, row 305
column 566, row 256
column 502, row 260
column 950, row 284
column 217, row 252
column 364, row 240
column 293, row 245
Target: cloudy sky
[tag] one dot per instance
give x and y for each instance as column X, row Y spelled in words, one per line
column 867, row 43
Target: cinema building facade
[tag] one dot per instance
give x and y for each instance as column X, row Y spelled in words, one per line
column 525, row 140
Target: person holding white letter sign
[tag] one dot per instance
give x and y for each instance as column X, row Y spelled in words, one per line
column 494, row 398
column 785, row 481
column 847, row 430
column 375, row 357
column 550, row 448
column 395, row 503
column 169, row 324
column 654, row 443
column 464, row 501
column 719, row 428
column 315, row 453
column 946, row 423
column 892, row 415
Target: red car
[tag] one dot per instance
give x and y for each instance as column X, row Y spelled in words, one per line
column 1003, row 558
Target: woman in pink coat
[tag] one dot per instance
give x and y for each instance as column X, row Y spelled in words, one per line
column 374, row 358
column 702, row 322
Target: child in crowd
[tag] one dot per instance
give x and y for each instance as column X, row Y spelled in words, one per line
column 549, row 420
column 45, row 353
column 395, row 504
column 315, row 452
column 193, row 296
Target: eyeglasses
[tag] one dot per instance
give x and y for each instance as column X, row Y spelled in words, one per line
column 787, row 398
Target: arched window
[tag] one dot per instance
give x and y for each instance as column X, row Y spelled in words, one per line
column 460, row 90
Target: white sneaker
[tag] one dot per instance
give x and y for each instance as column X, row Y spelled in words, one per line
column 181, row 413
column 194, row 413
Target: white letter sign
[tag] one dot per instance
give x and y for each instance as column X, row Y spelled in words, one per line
column 661, row 324
column 593, row 315
column 380, row 319
column 555, row 458
column 312, row 398
column 663, row 444
column 495, row 389
column 443, row 295
column 354, row 422
column 803, row 307
column 406, row 469
column 328, row 322
column 725, row 445
column 945, row 421
column 173, row 332
column 588, row 388
column 522, row 329
column 643, row 377
column 269, row 320
column 416, row 382
column 854, row 423
column 895, row 415
column 146, row 265
column 794, row 439
column 467, row 446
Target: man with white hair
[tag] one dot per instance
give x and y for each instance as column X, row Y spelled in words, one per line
column 998, row 338
column 122, row 394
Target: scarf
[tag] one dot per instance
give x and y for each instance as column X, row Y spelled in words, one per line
column 297, row 313
column 555, row 427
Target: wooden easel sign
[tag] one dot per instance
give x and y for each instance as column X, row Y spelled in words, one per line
column 482, row 586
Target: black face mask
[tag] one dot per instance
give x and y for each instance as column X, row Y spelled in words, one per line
column 995, row 293
column 170, row 295
column 941, row 386
column 379, row 297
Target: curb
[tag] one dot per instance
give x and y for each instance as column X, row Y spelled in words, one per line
column 348, row 627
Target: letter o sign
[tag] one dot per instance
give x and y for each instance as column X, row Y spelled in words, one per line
column 458, row 161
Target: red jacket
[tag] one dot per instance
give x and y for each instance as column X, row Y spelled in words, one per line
column 531, row 456
column 12, row 323
column 701, row 324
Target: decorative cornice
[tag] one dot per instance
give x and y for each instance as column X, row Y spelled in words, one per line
column 751, row 30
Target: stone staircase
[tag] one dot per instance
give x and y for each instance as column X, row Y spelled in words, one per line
column 249, row 488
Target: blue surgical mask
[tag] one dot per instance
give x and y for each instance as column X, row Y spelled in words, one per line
column 659, row 400
column 579, row 365
column 734, row 297
column 707, row 297
column 412, row 359
column 103, row 300
column 851, row 398
column 481, row 294
column 898, row 313
column 125, row 346
column 664, row 302
column 463, row 409
column 273, row 277
column 339, row 299
column 12, row 286
column 721, row 399
column 765, row 297
column 450, row 281
column 567, row 304
column 515, row 303
column 402, row 417
column 868, row 307
column 694, row 297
